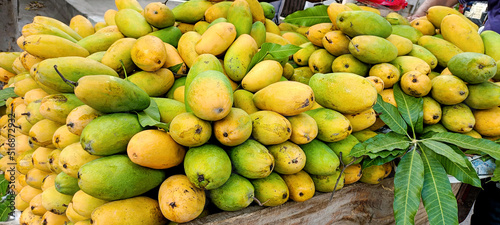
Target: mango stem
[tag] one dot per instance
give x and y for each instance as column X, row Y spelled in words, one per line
column 258, row 202
column 69, row 82
column 342, row 171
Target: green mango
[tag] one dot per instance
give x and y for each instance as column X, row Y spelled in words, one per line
column 350, row 64
column 100, row 41
column 332, row 125
column 169, row 108
column 198, row 166
column 191, row 11
column 6, row 60
column 252, row 159
column 372, row 49
column 109, row 134
column 72, row 68
column 57, row 107
column 66, row 184
column 169, row 35
column 269, row 10
column 491, row 40
column 128, row 179
column 236, row 194
column 326, row 183
column 485, row 95
column 424, row 54
column 458, row 118
column 258, row 32
column 97, row 56
column 345, row 146
column 473, row 68
column 110, row 94
column 240, row 15
column 407, row 31
column 321, row 160
column 271, row 190
column 178, row 82
column 132, row 23
column 354, row 23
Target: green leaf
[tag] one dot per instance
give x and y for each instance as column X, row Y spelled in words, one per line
column 464, row 174
column 151, row 117
column 261, row 54
column 4, row 185
column 390, row 115
column 309, row 16
column 383, row 154
column 283, row 51
column 175, row 68
column 409, row 106
column 408, row 184
column 5, row 209
column 358, row 150
column 387, row 142
column 464, row 141
column 496, row 173
column 377, row 161
column 5, row 94
column 153, row 110
column 445, row 150
column 439, row 200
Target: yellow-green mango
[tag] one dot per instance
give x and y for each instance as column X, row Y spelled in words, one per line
column 198, row 166
column 177, row 83
column 137, row 210
column 84, row 203
column 364, row 135
column 321, row 160
column 287, row 27
column 491, row 40
column 289, row 158
column 458, row 31
column 302, row 75
column 73, row 157
column 458, row 118
column 442, row 49
column 254, row 81
column 436, row 14
column 218, row 10
column 485, row 95
column 57, row 107
column 288, row 70
column 271, row 190
column 396, row 19
column 155, row 83
column 73, row 216
column 66, row 184
column 327, row 183
column 129, row 181
column 159, row 15
column 243, row 99
column 354, row 23
column 363, row 120
column 258, row 33
column 424, row 54
column 344, row 146
column 432, row 111
column 118, row 53
column 336, row 90
column 252, row 159
column 316, row 33
column 336, row 43
column 54, row 201
column 269, row 127
column 487, row 122
column 271, row 27
column 269, row 10
column 373, row 174
column 217, row 39
column 40, row 28
column 353, row 6
column 288, row 98
column 132, row 23
column 295, row 38
column 97, row 56
column 240, row 15
column 473, row 68
column 372, row 49
column 128, row 4
column 79, row 117
column 109, row 134
column 201, row 26
column 333, row 11
column 189, row 130
column 238, row 57
column 407, row 31
column 276, row 39
column 233, row 129
column 410, row 63
column 169, row 108
column 72, row 68
column 48, row 46
column 321, row 61
column 236, row 194
column 191, row 11
column 449, row 89
column 111, row 94
column 301, row 57
column 404, row 45
column 58, row 24
column 332, row 125
column 304, row 128
column 350, row 64
column 187, row 47
column 7, row 58
column 100, row 41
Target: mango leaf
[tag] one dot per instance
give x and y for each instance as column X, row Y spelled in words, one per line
column 176, row 68
column 358, row 150
column 309, row 16
column 396, row 153
column 151, row 117
column 5, row 210
column 153, row 110
column 5, row 94
column 390, row 115
column 439, row 200
column 4, row 185
column 387, row 142
column 275, row 50
column 377, row 161
column 465, row 174
column 411, row 108
column 464, row 141
column 496, row 173
column 408, row 184
column 444, row 150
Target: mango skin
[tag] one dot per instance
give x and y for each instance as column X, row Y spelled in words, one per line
column 271, row 190
column 327, row 183
column 187, row 47
column 191, row 11
column 240, row 15
column 321, row 160
column 66, row 184
column 406, row 64
column 258, row 33
column 218, row 10
column 238, row 57
column 243, row 99
column 354, row 23
column 473, row 68
column 120, row 52
column 198, row 166
column 189, row 130
column 459, row 32
column 252, row 160
column 236, row 194
column 304, row 128
column 436, row 14
column 269, row 127
column 487, row 122
column 217, row 39
column 169, row 108
column 458, row 118
column 129, row 179
column 491, row 42
column 234, row 129
column 300, row 186
column 332, row 125
column 316, row 33
column 137, row 210
column 407, row 31
column 132, row 23
column 57, row 107
column 100, row 41
column 149, row 53
column 344, row 146
column 449, row 89
column 442, row 49
column 153, row 83
column 485, row 95
column 273, row 97
column 254, row 81
column 424, row 54
column 109, row 134
column 432, row 111
column 350, row 64
column 372, row 49
column 289, row 158
column 170, row 35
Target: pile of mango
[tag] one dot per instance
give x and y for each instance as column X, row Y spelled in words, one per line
column 155, row 115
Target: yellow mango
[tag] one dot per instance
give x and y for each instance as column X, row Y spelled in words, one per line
column 373, row 174
column 289, row 98
column 28, row 193
column 201, row 26
column 25, row 85
column 270, row 128
column 29, row 60
column 189, row 130
column 404, row 45
column 362, row 120
column 84, row 204
column 34, row 177
column 173, row 59
column 289, row 158
column 254, row 81
column 53, row 218
column 424, row 26
column 416, row 84
column 79, row 117
column 336, row 43
column 58, row 24
column 41, row 133
column 191, row 11
column 304, row 128
column 40, row 158
column 155, row 83
column 159, row 15
column 387, row 72
column 458, row 31
column 333, row 11
column 128, row 4
column 179, row 94
column 449, row 89
column 109, row 17
column 5, row 75
column 99, row 25
column 63, row 137
column 36, row 205
column 149, row 53
column 33, row 95
column 316, row 33
column 233, row 129
column 371, row 9
column 487, row 121
column 27, row 217
column 432, row 111
column 155, row 149
column 458, row 118
column 19, row 204
column 218, row 10
column 321, row 61
column 442, row 49
column 377, row 82
column 81, row 25
column 276, row 39
column 72, row 215
column 185, row 27
column 436, row 14
column 118, row 53
column 301, row 57
column 352, row 174
column 243, row 99
column 50, row 46
column 137, row 210
column 73, row 157
column 271, row 27
column 54, row 162
column 187, row 47
column 132, row 23
column 300, row 186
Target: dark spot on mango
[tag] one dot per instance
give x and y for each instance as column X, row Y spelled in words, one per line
column 471, row 126
column 57, row 140
column 65, row 166
column 70, row 124
column 32, row 207
column 414, row 80
column 328, row 40
column 186, row 191
column 51, row 160
column 271, row 167
column 341, row 19
column 198, row 130
column 288, row 129
column 134, row 155
column 219, row 110
column 349, row 128
column 307, row 32
column 78, row 175
column 301, row 194
column 346, row 66
column 159, row 62
column 435, row 117
column 225, row 134
column 155, row 12
column 480, row 66
column 201, row 178
column 306, row 103
column 285, row 195
column 172, row 204
column 299, row 60
column 295, row 160
column 462, row 92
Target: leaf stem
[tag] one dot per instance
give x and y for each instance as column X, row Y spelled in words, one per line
column 342, row 171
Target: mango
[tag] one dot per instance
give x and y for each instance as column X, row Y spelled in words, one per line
column 202, row 63
column 21, row 205
column 155, row 83
column 128, row 4
column 240, row 15
column 187, row 47
column 72, row 68
column 40, row 28
column 304, row 128
column 271, row 190
column 406, row 64
column 217, row 10
column 169, row 108
column 336, row 43
column 321, row 61
column 66, row 184
column 458, row 118
column 334, row 90
column 362, row 120
column 57, row 107
column 197, row 165
column 416, row 84
column 316, row 33
column 129, row 181
column 326, row 183
column 53, row 160
column 72, row 158
column 484, row 95
column 442, row 49
column 34, row 177
column 149, row 53
column 129, row 211
column 407, row 31
column 276, row 39
column 111, row 94
column 54, row 201
column 36, row 205
column 349, row 64
column 458, row 31
column 352, row 173
column 29, row 60
column 191, row 11
column 118, row 53
column 436, row 14
column 334, row 9
column 236, row 194
column 424, row 54
column 487, row 122
column 432, row 111
column 424, row 26
column 404, row 45
column 243, row 99
column 372, row 49
column 217, row 39
column 50, row 46
column 449, row 90
column 27, row 216
column 79, row 117
column 100, row 41
column 234, row 129
column 491, row 41
column 473, row 68
column 354, row 23
column 72, row 215
column 300, row 186
column 274, row 98
column 269, row 127
column 132, row 23
column 180, row 201
column 258, row 33
column 174, row 59
column 7, row 60
column 63, row 137
column 332, row 125
column 377, row 82
column 189, row 130
column 289, row 158
column 321, row 160
column 271, row 27
column 96, row 136
column 294, row 38
column 84, row 204
column 238, row 57
column 185, row 27
column 269, row 10
column 97, row 56
column 373, row 174
column 396, row 19
column 252, row 160
column 159, row 15
column 301, row 57
column 40, row 158
column 41, row 132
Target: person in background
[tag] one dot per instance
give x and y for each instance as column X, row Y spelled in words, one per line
column 492, row 23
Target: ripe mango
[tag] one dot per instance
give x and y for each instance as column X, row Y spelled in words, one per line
column 354, row 23
column 316, row 33
column 326, row 183
column 271, row 27
column 109, row 17
column 100, row 41
column 72, row 215
column 63, row 137
column 442, row 49
column 491, row 42
column 97, row 56
column 373, row 174
column 350, row 64
column 334, row 90
column 57, row 107
column 294, row 38
column 66, row 184
column 243, row 99
column 187, row 47
column 110, row 134
column 396, row 19
column 372, row 49
column 111, row 94
column 252, row 160
column 203, row 62
column 173, row 59
column 424, row 54
column 7, row 58
column 238, row 57
column 27, row 216
column 404, row 45
column 149, row 53
column 485, row 95
column 269, row 127
column 217, row 39
column 132, row 23
column 271, row 190
column 332, row 125
column 321, row 61
column 21, row 205
column 300, row 186
column 289, row 158
column 84, row 203
column 416, row 84
column 39, row 28
column 424, row 26
column 155, row 83
column 334, row 9
column 432, row 111
column 276, row 97
column 406, row 64
column 362, row 120
column 40, row 158
column 236, row 194
column 169, row 108
column 407, row 31
column 253, row 81
column 352, row 174
column 128, row 181
column 128, row 4
column 189, row 130
column 234, row 129
column 54, row 201
column 41, row 132
column 73, row 157
column 487, row 122
column 28, row 60
column 79, row 117
column 336, row 43
column 458, row 31
column 53, row 159
column 240, row 15
column 118, row 53
column 137, row 210
column 159, row 15
column 34, row 177
column 304, row 128
column 218, row 10
column 81, row 25
column 58, row 24
column 321, row 160
column 198, row 166
column 473, row 68
column 449, row 90
column 50, row 46
column 458, row 118
column 436, row 14
column 301, row 57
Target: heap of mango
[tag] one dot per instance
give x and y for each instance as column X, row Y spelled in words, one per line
column 84, row 138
